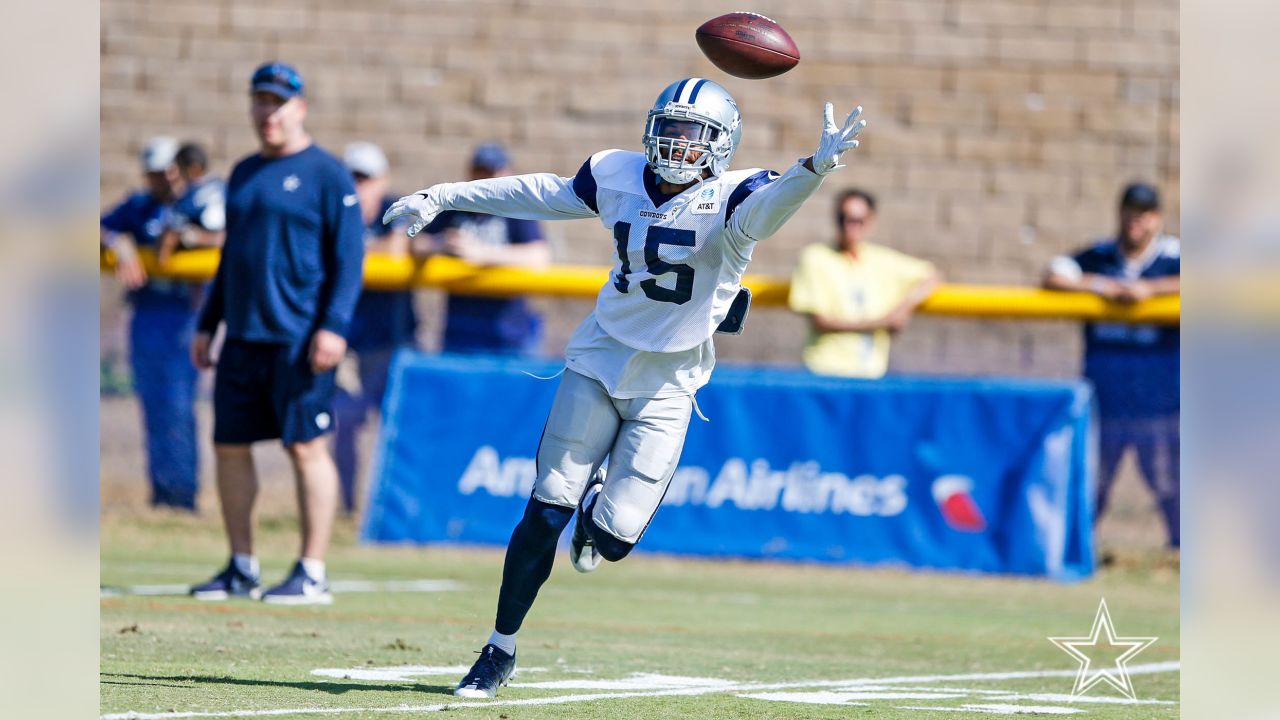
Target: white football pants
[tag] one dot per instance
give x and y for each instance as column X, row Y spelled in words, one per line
column 642, row 437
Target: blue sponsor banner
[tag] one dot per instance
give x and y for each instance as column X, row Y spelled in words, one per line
column 958, row 474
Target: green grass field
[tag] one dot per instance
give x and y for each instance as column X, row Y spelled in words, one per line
column 652, row 637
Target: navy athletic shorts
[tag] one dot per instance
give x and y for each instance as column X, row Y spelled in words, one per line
column 264, row 391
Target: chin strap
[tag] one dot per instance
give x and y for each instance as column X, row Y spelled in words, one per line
column 679, row 179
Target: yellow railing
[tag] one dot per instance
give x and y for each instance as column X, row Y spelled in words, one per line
column 453, row 275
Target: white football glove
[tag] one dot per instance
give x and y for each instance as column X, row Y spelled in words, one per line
column 836, row 140
column 423, row 206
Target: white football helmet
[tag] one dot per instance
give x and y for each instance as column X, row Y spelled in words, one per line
column 693, row 126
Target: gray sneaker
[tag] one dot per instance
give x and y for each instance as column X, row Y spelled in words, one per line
column 299, row 589
column 228, row 583
column 582, row 549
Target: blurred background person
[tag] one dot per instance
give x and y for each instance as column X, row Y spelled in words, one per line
column 856, row 293
column 384, row 320
column 493, row 325
column 286, row 288
column 160, row 328
column 1133, row 368
column 199, row 217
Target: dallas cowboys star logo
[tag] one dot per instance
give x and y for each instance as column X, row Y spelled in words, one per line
column 1118, row 676
column 292, row 183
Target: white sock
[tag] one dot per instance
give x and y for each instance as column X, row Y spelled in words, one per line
column 314, row 568
column 505, row 643
column 246, row 564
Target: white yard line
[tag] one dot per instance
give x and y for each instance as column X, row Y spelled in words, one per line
column 1171, row 666
column 1147, row 668
column 369, row 586
column 147, row 590
column 337, row 586
column 1048, row 697
column 998, row 709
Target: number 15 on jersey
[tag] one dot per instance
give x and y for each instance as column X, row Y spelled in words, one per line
column 655, row 238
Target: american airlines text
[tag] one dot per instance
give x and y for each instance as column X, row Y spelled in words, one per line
column 802, row 487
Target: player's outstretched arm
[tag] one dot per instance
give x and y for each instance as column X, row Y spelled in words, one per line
column 538, row 196
column 767, row 209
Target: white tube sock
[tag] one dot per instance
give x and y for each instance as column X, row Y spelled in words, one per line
column 246, row 564
column 505, row 643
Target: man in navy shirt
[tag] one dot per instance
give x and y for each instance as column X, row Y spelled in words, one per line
column 384, row 320
column 159, row 330
column 286, row 288
column 198, row 217
column 473, row 324
column 1133, row 368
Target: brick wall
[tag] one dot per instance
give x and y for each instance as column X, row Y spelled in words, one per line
column 1000, row 130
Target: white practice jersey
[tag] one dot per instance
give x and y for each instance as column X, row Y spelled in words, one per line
column 679, row 263
column 679, row 259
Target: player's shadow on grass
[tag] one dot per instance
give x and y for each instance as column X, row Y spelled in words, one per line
column 333, row 688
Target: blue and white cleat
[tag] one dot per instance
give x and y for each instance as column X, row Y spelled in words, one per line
column 299, row 589
column 582, row 549
column 492, row 670
column 228, row 583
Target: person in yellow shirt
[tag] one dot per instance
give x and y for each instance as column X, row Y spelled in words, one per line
column 856, row 294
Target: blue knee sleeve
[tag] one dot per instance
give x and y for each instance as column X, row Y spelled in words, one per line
column 542, row 523
column 610, row 547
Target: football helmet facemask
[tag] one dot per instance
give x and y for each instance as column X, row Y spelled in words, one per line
column 694, row 126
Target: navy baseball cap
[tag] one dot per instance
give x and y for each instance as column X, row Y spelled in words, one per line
column 278, row 78
column 1140, row 196
column 490, row 156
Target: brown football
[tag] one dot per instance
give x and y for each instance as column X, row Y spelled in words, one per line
column 747, row 45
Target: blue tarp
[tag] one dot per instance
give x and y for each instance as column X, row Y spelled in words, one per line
column 958, row 474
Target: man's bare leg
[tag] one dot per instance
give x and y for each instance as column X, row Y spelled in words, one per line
column 237, row 491
column 316, row 476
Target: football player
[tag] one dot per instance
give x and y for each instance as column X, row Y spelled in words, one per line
column 684, row 226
